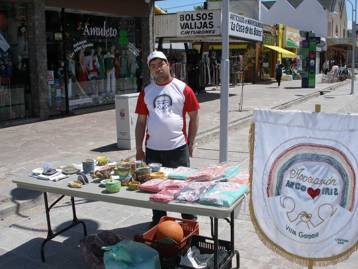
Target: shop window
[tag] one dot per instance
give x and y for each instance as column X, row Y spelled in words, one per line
column 15, row 100
column 101, row 55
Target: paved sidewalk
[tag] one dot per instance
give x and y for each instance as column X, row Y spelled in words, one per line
column 76, row 138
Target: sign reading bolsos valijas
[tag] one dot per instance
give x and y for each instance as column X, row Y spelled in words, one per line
column 246, row 28
column 203, row 22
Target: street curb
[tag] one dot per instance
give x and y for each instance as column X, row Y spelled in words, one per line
column 9, row 207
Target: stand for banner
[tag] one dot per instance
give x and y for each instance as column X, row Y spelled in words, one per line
column 242, row 90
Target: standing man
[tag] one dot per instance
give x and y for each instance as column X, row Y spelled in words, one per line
column 162, row 107
column 278, row 72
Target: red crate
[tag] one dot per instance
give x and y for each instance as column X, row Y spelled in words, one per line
column 189, row 227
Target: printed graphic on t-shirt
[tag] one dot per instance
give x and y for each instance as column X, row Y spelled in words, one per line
column 163, row 103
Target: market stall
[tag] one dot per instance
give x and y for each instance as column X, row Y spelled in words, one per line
column 197, row 192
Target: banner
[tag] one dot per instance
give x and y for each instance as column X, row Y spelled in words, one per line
column 304, row 191
column 292, row 38
column 203, row 22
column 246, row 28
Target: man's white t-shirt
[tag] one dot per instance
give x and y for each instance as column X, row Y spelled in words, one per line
column 166, row 107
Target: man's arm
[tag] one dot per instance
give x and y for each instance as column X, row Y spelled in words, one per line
column 139, row 136
column 193, row 129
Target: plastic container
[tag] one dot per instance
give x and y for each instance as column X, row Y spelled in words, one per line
column 155, row 166
column 206, row 246
column 189, row 227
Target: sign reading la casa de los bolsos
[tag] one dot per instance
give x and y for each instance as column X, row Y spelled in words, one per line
column 246, row 28
column 208, row 23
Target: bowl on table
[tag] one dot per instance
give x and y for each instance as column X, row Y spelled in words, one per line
column 122, row 171
column 112, row 185
column 155, row 167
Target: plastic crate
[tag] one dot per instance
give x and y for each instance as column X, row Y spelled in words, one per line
column 206, row 246
column 190, row 228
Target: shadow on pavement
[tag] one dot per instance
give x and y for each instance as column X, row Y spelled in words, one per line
column 61, row 252
column 107, row 148
column 19, row 194
column 209, row 96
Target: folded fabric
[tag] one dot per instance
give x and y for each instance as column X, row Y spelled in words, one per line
column 192, row 191
column 181, row 173
column 167, row 194
column 231, row 171
column 223, row 194
column 240, row 178
column 164, row 196
column 209, row 173
column 153, row 185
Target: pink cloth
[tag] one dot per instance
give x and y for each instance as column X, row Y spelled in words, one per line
column 240, row 178
column 171, row 187
column 209, row 173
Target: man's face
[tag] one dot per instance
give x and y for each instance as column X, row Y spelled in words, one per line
column 159, row 69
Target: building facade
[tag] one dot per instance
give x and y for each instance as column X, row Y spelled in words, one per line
column 58, row 57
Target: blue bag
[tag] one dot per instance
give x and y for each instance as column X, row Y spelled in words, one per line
column 130, row 255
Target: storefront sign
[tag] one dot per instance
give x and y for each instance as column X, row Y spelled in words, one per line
column 201, row 22
column 292, row 37
column 269, row 39
column 304, row 188
column 246, row 28
column 100, row 31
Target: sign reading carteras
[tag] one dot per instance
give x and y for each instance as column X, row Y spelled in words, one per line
column 240, row 26
column 203, row 22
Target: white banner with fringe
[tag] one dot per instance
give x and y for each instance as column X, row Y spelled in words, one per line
column 304, row 190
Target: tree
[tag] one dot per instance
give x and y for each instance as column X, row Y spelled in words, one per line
column 200, row 7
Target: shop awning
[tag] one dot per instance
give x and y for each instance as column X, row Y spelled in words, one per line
column 285, row 53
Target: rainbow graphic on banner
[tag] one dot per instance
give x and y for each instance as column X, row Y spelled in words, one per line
column 314, row 153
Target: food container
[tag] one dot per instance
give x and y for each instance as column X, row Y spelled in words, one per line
column 113, row 186
column 88, row 166
column 155, row 166
column 133, row 185
column 142, row 174
column 122, row 171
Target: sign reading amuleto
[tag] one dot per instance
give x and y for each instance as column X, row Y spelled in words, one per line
column 201, row 22
column 242, row 27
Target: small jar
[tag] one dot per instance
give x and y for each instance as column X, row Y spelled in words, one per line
column 88, row 166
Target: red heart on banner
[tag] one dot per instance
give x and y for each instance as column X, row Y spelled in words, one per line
column 313, row 193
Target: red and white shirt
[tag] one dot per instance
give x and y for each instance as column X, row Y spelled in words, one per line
column 166, row 107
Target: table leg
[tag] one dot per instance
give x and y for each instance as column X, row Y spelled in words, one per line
column 50, row 233
column 216, row 243
column 232, row 231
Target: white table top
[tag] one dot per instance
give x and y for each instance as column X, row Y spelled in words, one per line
column 92, row 191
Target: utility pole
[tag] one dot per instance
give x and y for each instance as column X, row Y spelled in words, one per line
column 354, row 42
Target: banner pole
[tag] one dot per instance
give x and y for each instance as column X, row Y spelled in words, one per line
column 317, row 108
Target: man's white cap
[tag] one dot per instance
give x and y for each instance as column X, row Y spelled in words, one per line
column 156, row 55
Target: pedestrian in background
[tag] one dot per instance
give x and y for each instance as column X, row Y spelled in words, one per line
column 162, row 107
column 278, row 72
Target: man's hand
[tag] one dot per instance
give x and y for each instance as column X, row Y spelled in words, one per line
column 140, row 155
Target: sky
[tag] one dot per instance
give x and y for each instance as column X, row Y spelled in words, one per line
column 178, row 5
column 186, row 5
